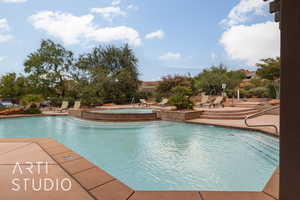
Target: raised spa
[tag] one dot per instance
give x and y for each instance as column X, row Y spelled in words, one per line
column 116, row 115
column 162, row 155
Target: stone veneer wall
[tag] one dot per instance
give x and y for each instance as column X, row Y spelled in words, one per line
column 84, row 114
column 179, row 116
column 76, row 113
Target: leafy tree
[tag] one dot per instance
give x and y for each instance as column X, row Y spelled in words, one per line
column 169, row 82
column 181, row 98
column 269, row 69
column 31, row 99
column 12, row 86
column 111, row 73
column 49, row 67
column 210, row 80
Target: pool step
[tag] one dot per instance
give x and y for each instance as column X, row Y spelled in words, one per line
column 228, row 115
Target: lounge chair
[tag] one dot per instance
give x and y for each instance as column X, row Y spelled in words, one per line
column 163, row 102
column 77, row 105
column 218, row 101
column 143, row 102
column 204, row 101
column 64, row 106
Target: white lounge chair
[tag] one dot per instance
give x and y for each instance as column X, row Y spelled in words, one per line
column 143, row 102
column 163, row 102
column 77, row 105
column 204, row 101
column 64, row 106
column 218, row 101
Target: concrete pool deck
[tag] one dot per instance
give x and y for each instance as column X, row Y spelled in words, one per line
column 265, row 119
column 89, row 181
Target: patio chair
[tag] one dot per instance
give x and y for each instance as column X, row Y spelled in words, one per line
column 218, row 101
column 143, row 102
column 77, row 105
column 164, row 102
column 64, row 106
column 204, row 101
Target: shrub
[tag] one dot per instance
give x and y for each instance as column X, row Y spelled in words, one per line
column 55, row 101
column 158, row 97
column 169, row 82
column 92, row 101
column 260, row 92
column 31, row 99
column 142, row 95
column 245, row 93
column 33, row 110
column 181, row 98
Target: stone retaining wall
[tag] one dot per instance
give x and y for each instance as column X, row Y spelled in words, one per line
column 179, row 116
column 84, row 114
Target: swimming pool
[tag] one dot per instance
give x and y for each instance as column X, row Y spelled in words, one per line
column 162, row 155
column 129, row 111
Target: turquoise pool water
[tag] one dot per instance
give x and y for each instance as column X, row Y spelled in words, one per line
column 132, row 111
column 162, row 155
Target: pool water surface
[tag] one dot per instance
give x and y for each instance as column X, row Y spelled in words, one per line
column 162, row 155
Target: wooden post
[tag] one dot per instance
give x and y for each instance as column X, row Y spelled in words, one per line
column 290, row 101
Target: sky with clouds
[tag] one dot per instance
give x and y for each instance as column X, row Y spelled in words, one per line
column 168, row 37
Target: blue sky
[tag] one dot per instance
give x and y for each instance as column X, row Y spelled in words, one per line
column 168, row 37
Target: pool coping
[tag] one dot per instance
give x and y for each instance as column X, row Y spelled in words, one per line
column 101, row 185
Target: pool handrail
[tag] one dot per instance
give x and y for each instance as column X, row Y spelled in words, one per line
column 260, row 113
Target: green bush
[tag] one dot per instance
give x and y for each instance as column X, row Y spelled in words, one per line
column 56, row 101
column 245, row 93
column 142, row 95
column 181, row 98
column 259, row 92
column 33, row 110
column 31, row 99
column 92, row 101
column 158, row 97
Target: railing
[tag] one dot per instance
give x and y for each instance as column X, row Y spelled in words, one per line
column 259, row 114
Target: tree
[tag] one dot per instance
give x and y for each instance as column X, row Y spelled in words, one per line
column 181, row 98
column 169, row 82
column 50, row 66
column 31, row 99
column 269, row 69
column 12, row 86
column 210, row 80
column 110, row 72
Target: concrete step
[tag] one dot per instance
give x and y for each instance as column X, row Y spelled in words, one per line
column 223, row 117
column 230, row 114
column 231, row 111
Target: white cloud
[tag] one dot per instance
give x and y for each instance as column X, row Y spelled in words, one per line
column 115, row 2
column 240, row 13
column 108, row 13
column 75, row 29
column 170, row 56
column 13, row 1
column 4, row 31
column 133, row 7
column 157, row 34
column 252, row 43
